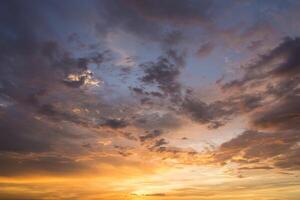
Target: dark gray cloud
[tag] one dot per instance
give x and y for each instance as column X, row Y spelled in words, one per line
column 167, row 121
column 182, row 154
column 282, row 61
column 159, row 143
column 137, row 90
column 284, row 115
column 214, row 115
column 115, row 123
column 142, row 92
column 151, row 136
column 123, row 151
column 289, row 50
column 164, row 74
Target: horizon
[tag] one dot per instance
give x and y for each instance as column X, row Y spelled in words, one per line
column 149, row 99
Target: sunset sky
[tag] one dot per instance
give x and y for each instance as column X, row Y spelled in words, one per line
column 149, row 100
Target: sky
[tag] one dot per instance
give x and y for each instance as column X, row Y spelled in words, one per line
column 149, row 100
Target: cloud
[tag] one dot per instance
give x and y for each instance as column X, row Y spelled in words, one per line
column 173, row 38
column 282, row 62
column 256, row 168
column 140, row 91
column 18, row 165
column 57, row 114
column 24, row 131
column 115, row 123
column 261, row 148
column 270, row 101
column 36, row 67
column 255, row 45
column 156, row 195
column 24, row 135
column 175, row 12
column 46, row 106
column 119, row 15
column 164, row 74
column 158, row 143
column 137, row 90
column 165, row 121
column 272, row 85
column 77, row 80
column 150, row 136
column 290, row 161
column 284, row 115
column 215, row 114
column 205, row 50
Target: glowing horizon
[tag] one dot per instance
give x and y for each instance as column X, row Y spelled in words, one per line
column 149, row 100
